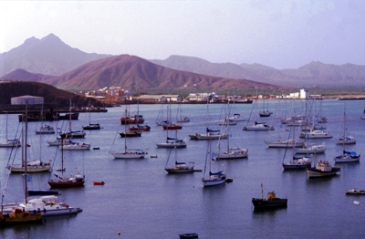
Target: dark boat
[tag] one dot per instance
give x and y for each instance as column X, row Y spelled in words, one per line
column 140, row 128
column 42, row 193
column 265, row 113
column 68, row 116
column 270, row 203
column 135, row 119
column 130, row 134
column 73, row 134
column 189, row 235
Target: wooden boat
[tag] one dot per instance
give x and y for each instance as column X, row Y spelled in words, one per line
column 270, row 203
column 135, row 119
column 355, row 191
column 72, row 181
column 18, row 216
column 322, row 169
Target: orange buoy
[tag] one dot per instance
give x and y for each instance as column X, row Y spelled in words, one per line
column 99, row 183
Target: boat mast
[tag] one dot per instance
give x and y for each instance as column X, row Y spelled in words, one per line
column 125, row 132
column 25, row 153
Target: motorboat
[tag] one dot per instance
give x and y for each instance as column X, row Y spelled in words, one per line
column 315, row 134
column 140, row 128
column 130, row 134
column 95, row 126
column 355, row 191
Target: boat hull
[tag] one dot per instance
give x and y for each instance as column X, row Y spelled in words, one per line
column 170, row 145
column 63, row 184
column 263, row 204
column 179, row 170
column 129, row 155
column 315, row 173
column 296, row 166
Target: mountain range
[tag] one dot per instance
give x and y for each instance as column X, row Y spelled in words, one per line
column 51, row 61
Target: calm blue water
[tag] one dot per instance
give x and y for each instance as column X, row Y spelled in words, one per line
column 140, row 200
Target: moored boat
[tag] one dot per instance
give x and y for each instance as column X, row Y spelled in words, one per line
column 270, row 203
column 355, row 191
column 322, row 169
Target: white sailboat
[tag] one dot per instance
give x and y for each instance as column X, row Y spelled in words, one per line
column 172, row 142
column 129, row 153
column 231, row 152
column 213, row 178
column 34, row 166
column 9, row 143
column 179, row 167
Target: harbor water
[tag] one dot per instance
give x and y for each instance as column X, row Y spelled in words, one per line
column 140, row 200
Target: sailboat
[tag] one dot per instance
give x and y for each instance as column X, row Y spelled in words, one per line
column 172, row 142
column 231, row 152
column 91, row 126
column 70, row 133
column 34, row 166
column 134, row 119
column 16, row 215
column 63, row 181
column 168, row 125
column 180, row 117
column 214, row 178
column 345, row 139
column 265, row 112
column 296, row 163
column 179, row 167
column 129, row 153
column 347, row 156
column 9, row 143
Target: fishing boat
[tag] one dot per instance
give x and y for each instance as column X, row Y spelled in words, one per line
column 322, row 169
column 179, row 167
column 129, row 153
column 45, row 129
column 132, row 119
column 270, row 203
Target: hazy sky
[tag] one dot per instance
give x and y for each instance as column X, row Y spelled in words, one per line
column 277, row 33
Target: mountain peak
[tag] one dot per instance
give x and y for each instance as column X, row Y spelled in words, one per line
column 51, row 38
column 31, row 40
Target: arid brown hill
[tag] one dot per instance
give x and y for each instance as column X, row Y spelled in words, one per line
column 139, row 75
column 52, row 96
column 23, row 75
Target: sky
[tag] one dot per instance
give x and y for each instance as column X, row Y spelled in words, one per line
column 277, row 33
